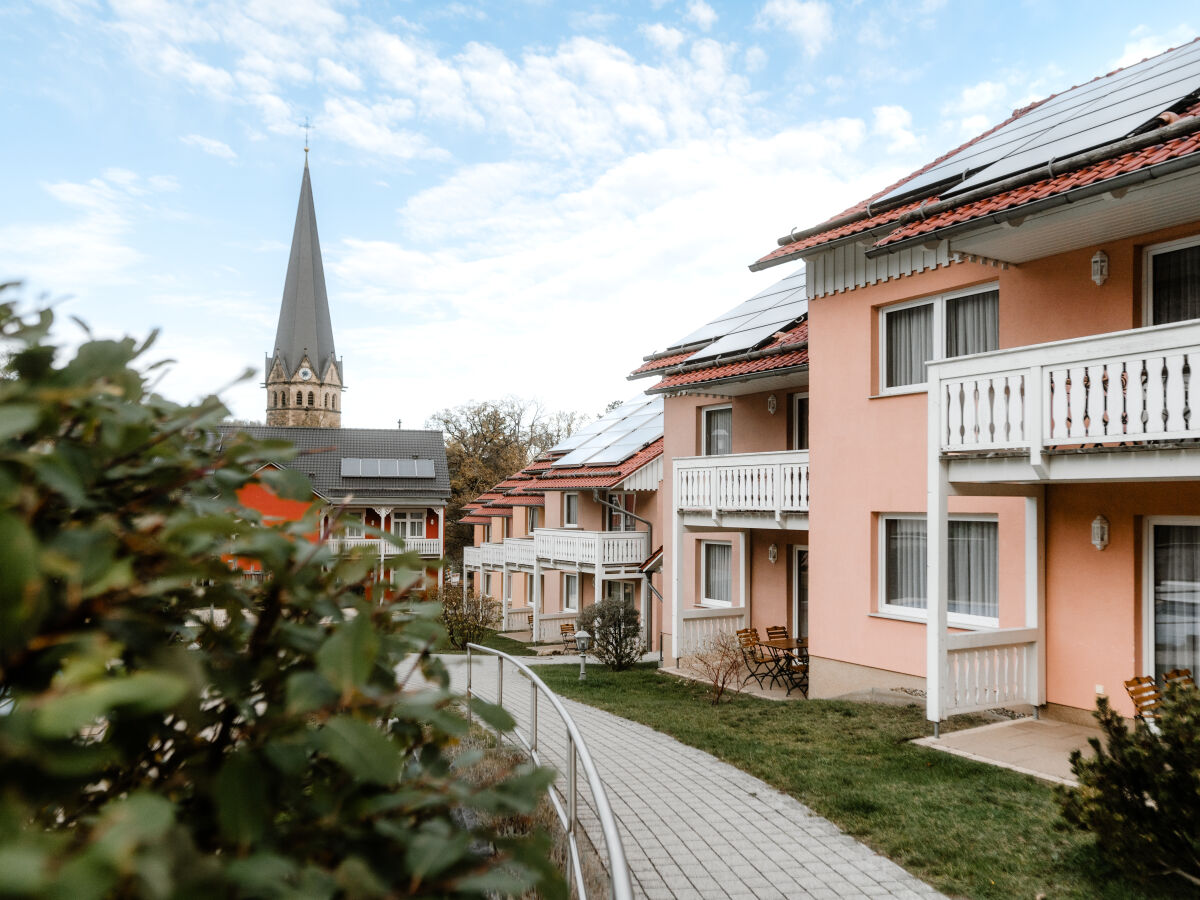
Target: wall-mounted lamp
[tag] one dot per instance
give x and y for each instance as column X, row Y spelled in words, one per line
column 1099, row 267
column 1099, row 532
column 773, row 553
column 772, row 404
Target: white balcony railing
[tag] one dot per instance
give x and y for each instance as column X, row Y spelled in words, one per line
column 1127, row 388
column 591, row 548
column 421, row 546
column 518, row 551
column 472, row 557
column 986, row 669
column 700, row 626
column 774, row 482
column 493, row 555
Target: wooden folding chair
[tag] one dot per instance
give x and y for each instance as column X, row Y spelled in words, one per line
column 776, row 632
column 567, row 631
column 1147, row 696
column 758, row 665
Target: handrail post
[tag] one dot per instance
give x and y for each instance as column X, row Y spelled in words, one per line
column 469, row 719
column 533, row 692
column 572, row 785
column 500, row 681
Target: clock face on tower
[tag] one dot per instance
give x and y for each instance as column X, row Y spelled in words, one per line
column 306, row 373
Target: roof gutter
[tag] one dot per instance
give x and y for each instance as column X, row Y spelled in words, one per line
column 724, row 360
column 701, row 387
column 1120, row 182
column 1046, row 170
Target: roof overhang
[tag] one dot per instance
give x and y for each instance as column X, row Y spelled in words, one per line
column 740, row 385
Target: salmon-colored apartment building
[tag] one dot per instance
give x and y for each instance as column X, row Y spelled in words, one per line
column 956, row 446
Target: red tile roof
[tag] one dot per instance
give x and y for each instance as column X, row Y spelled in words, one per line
column 717, row 370
column 475, row 520
column 661, row 363
column 568, row 479
column 528, row 500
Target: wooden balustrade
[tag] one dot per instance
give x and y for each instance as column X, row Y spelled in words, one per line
column 701, row 625
column 472, row 557
column 549, row 625
column 1125, row 388
column 744, row 482
column 518, row 551
column 420, row 546
column 590, row 548
column 986, row 669
column 492, row 555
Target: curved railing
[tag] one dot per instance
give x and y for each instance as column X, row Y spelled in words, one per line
column 618, row 868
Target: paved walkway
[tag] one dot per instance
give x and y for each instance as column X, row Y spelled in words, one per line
column 693, row 826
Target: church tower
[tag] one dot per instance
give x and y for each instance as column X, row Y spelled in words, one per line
column 304, row 375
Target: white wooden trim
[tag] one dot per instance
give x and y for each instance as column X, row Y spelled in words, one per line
column 1148, row 582
column 704, row 413
column 797, row 549
column 1148, row 253
column 704, row 599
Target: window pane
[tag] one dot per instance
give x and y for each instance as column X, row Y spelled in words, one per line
column 904, row 555
column 1176, row 598
column 717, row 570
column 1176, row 285
column 973, row 324
column 801, row 423
column 973, row 569
column 570, row 509
column 718, row 432
column 909, row 344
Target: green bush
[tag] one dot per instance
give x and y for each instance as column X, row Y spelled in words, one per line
column 616, row 632
column 168, row 728
column 1140, row 794
column 468, row 617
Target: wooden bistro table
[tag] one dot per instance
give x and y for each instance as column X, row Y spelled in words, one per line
column 791, row 662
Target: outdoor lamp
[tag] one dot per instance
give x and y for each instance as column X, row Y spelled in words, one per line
column 583, row 640
column 1100, row 267
column 1099, row 532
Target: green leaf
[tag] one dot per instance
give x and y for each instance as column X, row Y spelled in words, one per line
column 361, row 749
column 22, row 868
column 307, row 691
column 435, row 849
column 349, row 653
column 17, row 419
column 496, row 716
column 18, row 562
column 128, row 823
column 288, row 484
column 262, row 874
column 355, row 878
column 240, row 791
column 143, row 692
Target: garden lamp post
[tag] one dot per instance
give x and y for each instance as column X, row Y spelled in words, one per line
column 582, row 641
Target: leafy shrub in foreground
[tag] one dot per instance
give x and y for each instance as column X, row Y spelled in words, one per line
column 1140, row 794
column 168, row 728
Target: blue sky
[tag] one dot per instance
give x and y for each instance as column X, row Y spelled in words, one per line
column 513, row 197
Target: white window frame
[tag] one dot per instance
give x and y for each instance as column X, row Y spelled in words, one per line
column 355, row 524
column 1148, row 523
column 1148, row 254
column 913, row 614
column 570, row 592
column 796, row 398
column 705, row 600
column 566, row 507
column 487, row 533
column 409, row 518
column 628, row 522
column 797, row 550
column 938, row 301
column 704, row 414
column 531, row 518
column 625, row 589
column 487, row 584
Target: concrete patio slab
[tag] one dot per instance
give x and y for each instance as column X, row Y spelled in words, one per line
column 1037, row 747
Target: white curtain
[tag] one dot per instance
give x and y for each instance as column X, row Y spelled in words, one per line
column 972, row 565
column 973, row 324
column 1176, row 283
column 719, row 432
column 718, row 572
column 1176, row 598
column 909, row 344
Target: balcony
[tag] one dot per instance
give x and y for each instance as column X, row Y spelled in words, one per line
column 472, row 557
column 519, row 552
column 1103, row 408
column 743, row 490
column 420, row 546
column 589, row 549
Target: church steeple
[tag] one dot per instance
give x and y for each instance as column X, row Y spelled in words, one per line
column 303, row 374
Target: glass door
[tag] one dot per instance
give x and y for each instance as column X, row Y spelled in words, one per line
column 1175, row 581
column 800, row 593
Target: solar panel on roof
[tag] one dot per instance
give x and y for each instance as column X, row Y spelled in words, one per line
column 1091, row 115
column 771, row 306
column 641, row 423
column 757, row 330
column 353, row 467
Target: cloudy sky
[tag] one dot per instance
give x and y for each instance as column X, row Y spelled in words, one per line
column 514, row 197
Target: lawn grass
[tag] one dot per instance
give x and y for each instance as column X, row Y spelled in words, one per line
column 496, row 641
column 969, row 829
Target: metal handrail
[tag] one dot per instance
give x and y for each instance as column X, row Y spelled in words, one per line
column 621, row 886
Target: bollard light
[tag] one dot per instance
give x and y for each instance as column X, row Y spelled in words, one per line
column 583, row 640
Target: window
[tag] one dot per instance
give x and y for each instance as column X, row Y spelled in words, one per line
column 283, row 398
column 570, row 509
column 800, row 593
column 1173, row 561
column 935, row 328
column 570, row 592
column 310, row 399
column 325, row 400
column 487, row 533
column 616, row 521
column 718, row 431
column 487, row 584
column 1172, row 287
column 408, row 524
column 716, row 567
column 800, row 422
column 354, row 525
column 299, row 398
column 619, row 590
column 531, row 518
column 973, row 567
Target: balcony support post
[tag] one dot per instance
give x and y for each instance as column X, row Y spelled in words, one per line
column 504, row 589
column 744, row 551
column 937, row 576
column 676, row 569
column 1034, row 419
column 441, row 542
column 537, row 600
column 1035, row 591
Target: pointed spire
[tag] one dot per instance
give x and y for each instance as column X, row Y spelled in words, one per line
column 304, row 324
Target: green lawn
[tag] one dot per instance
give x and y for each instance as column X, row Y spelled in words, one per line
column 968, row 829
column 494, row 640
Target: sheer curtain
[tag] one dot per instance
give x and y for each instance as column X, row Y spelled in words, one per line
column 905, row 553
column 973, row 324
column 1176, row 598
column 718, row 576
column 973, row 569
column 1176, row 283
column 718, row 425
column 909, row 344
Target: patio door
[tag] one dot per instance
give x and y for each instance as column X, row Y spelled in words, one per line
column 619, row 590
column 800, row 592
column 1172, row 595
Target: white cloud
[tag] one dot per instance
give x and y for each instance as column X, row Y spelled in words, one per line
column 1143, row 43
column 809, row 21
column 211, row 146
column 894, row 123
column 702, row 14
column 756, row 59
column 339, row 76
column 662, row 36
